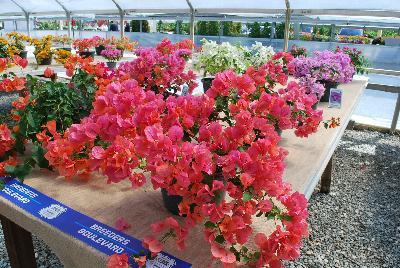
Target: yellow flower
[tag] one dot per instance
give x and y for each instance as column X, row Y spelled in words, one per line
column 62, row 56
column 42, row 48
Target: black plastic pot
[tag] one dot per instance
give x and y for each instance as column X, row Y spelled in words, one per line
column 122, row 51
column 278, row 130
column 99, row 49
column 315, row 105
column 45, row 61
column 171, row 202
column 65, row 48
column 111, row 64
column 328, row 85
column 86, row 54
column 23, row 54
column 207, row 81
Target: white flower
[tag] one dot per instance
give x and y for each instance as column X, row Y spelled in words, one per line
column 215, row 58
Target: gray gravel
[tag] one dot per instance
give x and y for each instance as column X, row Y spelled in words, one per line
column 356, row 225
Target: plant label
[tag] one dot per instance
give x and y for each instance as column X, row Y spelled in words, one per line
column 335, row 98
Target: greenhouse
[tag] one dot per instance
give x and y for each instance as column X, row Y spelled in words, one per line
column 194, row 133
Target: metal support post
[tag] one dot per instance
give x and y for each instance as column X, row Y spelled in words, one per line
column 395, row 115
column 287, row 26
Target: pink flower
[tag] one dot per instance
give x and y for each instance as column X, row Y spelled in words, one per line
column 121, row 224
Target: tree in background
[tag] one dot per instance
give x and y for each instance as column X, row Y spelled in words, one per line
column 266, row 31
column 213, row 28
column 202, row 28
column 135, row 26
column 280, row 30
column 255, row 30
column 183, row 27
column 159, row 27
column 232, row 28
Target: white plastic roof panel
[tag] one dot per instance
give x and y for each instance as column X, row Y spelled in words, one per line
column 39, row 6
column 242, row 6
column 8, row 7
column 164, row 6
column 380, row 8
column 89, row 6
column 393, row 5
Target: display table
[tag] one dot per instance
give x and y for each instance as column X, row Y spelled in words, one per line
column 306, row 163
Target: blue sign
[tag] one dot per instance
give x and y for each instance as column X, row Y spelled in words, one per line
column 95, row 234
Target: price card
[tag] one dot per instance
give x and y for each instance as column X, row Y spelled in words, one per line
column 335, row 98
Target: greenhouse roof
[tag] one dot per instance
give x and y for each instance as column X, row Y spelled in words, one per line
column 383, row 8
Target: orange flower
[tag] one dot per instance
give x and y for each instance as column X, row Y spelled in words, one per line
column 3, row 64
column 21, row 103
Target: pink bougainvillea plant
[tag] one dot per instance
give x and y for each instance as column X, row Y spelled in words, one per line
column 219, row 152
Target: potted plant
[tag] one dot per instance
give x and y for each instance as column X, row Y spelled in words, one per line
column 62, row 55
column 112, row 55
column 326, row 67
column 214, row 58
column 123, row 44
column 257, row 55
column 16, row 44
column 297, row 51
column 3, row 47
column 100, row 44
column 358, row 60
column 43, row 51
column 199, row 148
column 83, row 47
column 64, row 41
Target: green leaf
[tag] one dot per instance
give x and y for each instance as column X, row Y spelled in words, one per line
column 210, row 224
column 247, row 196
column 9, row 169
column 30, row 119
column 38, row 155
column 220, row 239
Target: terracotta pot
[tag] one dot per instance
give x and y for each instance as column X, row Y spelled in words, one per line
column 99, row 49
column 207, row 81
column 23, row 54
column 327, row 85
column 112, row 64
column 86, row 54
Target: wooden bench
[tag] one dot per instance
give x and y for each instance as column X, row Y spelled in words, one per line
column 309, row 159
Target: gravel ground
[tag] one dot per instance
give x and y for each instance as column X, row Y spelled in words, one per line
column 356, row 225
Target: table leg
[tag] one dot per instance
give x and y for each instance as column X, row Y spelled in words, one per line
column 19, row 244
column 326, row 178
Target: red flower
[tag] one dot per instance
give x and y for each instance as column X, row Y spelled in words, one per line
column 49, row 73
column 121, row 224
column 20, row 61
column 118, row 261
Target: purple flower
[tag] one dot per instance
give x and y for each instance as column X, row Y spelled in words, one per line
column 325, row 66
